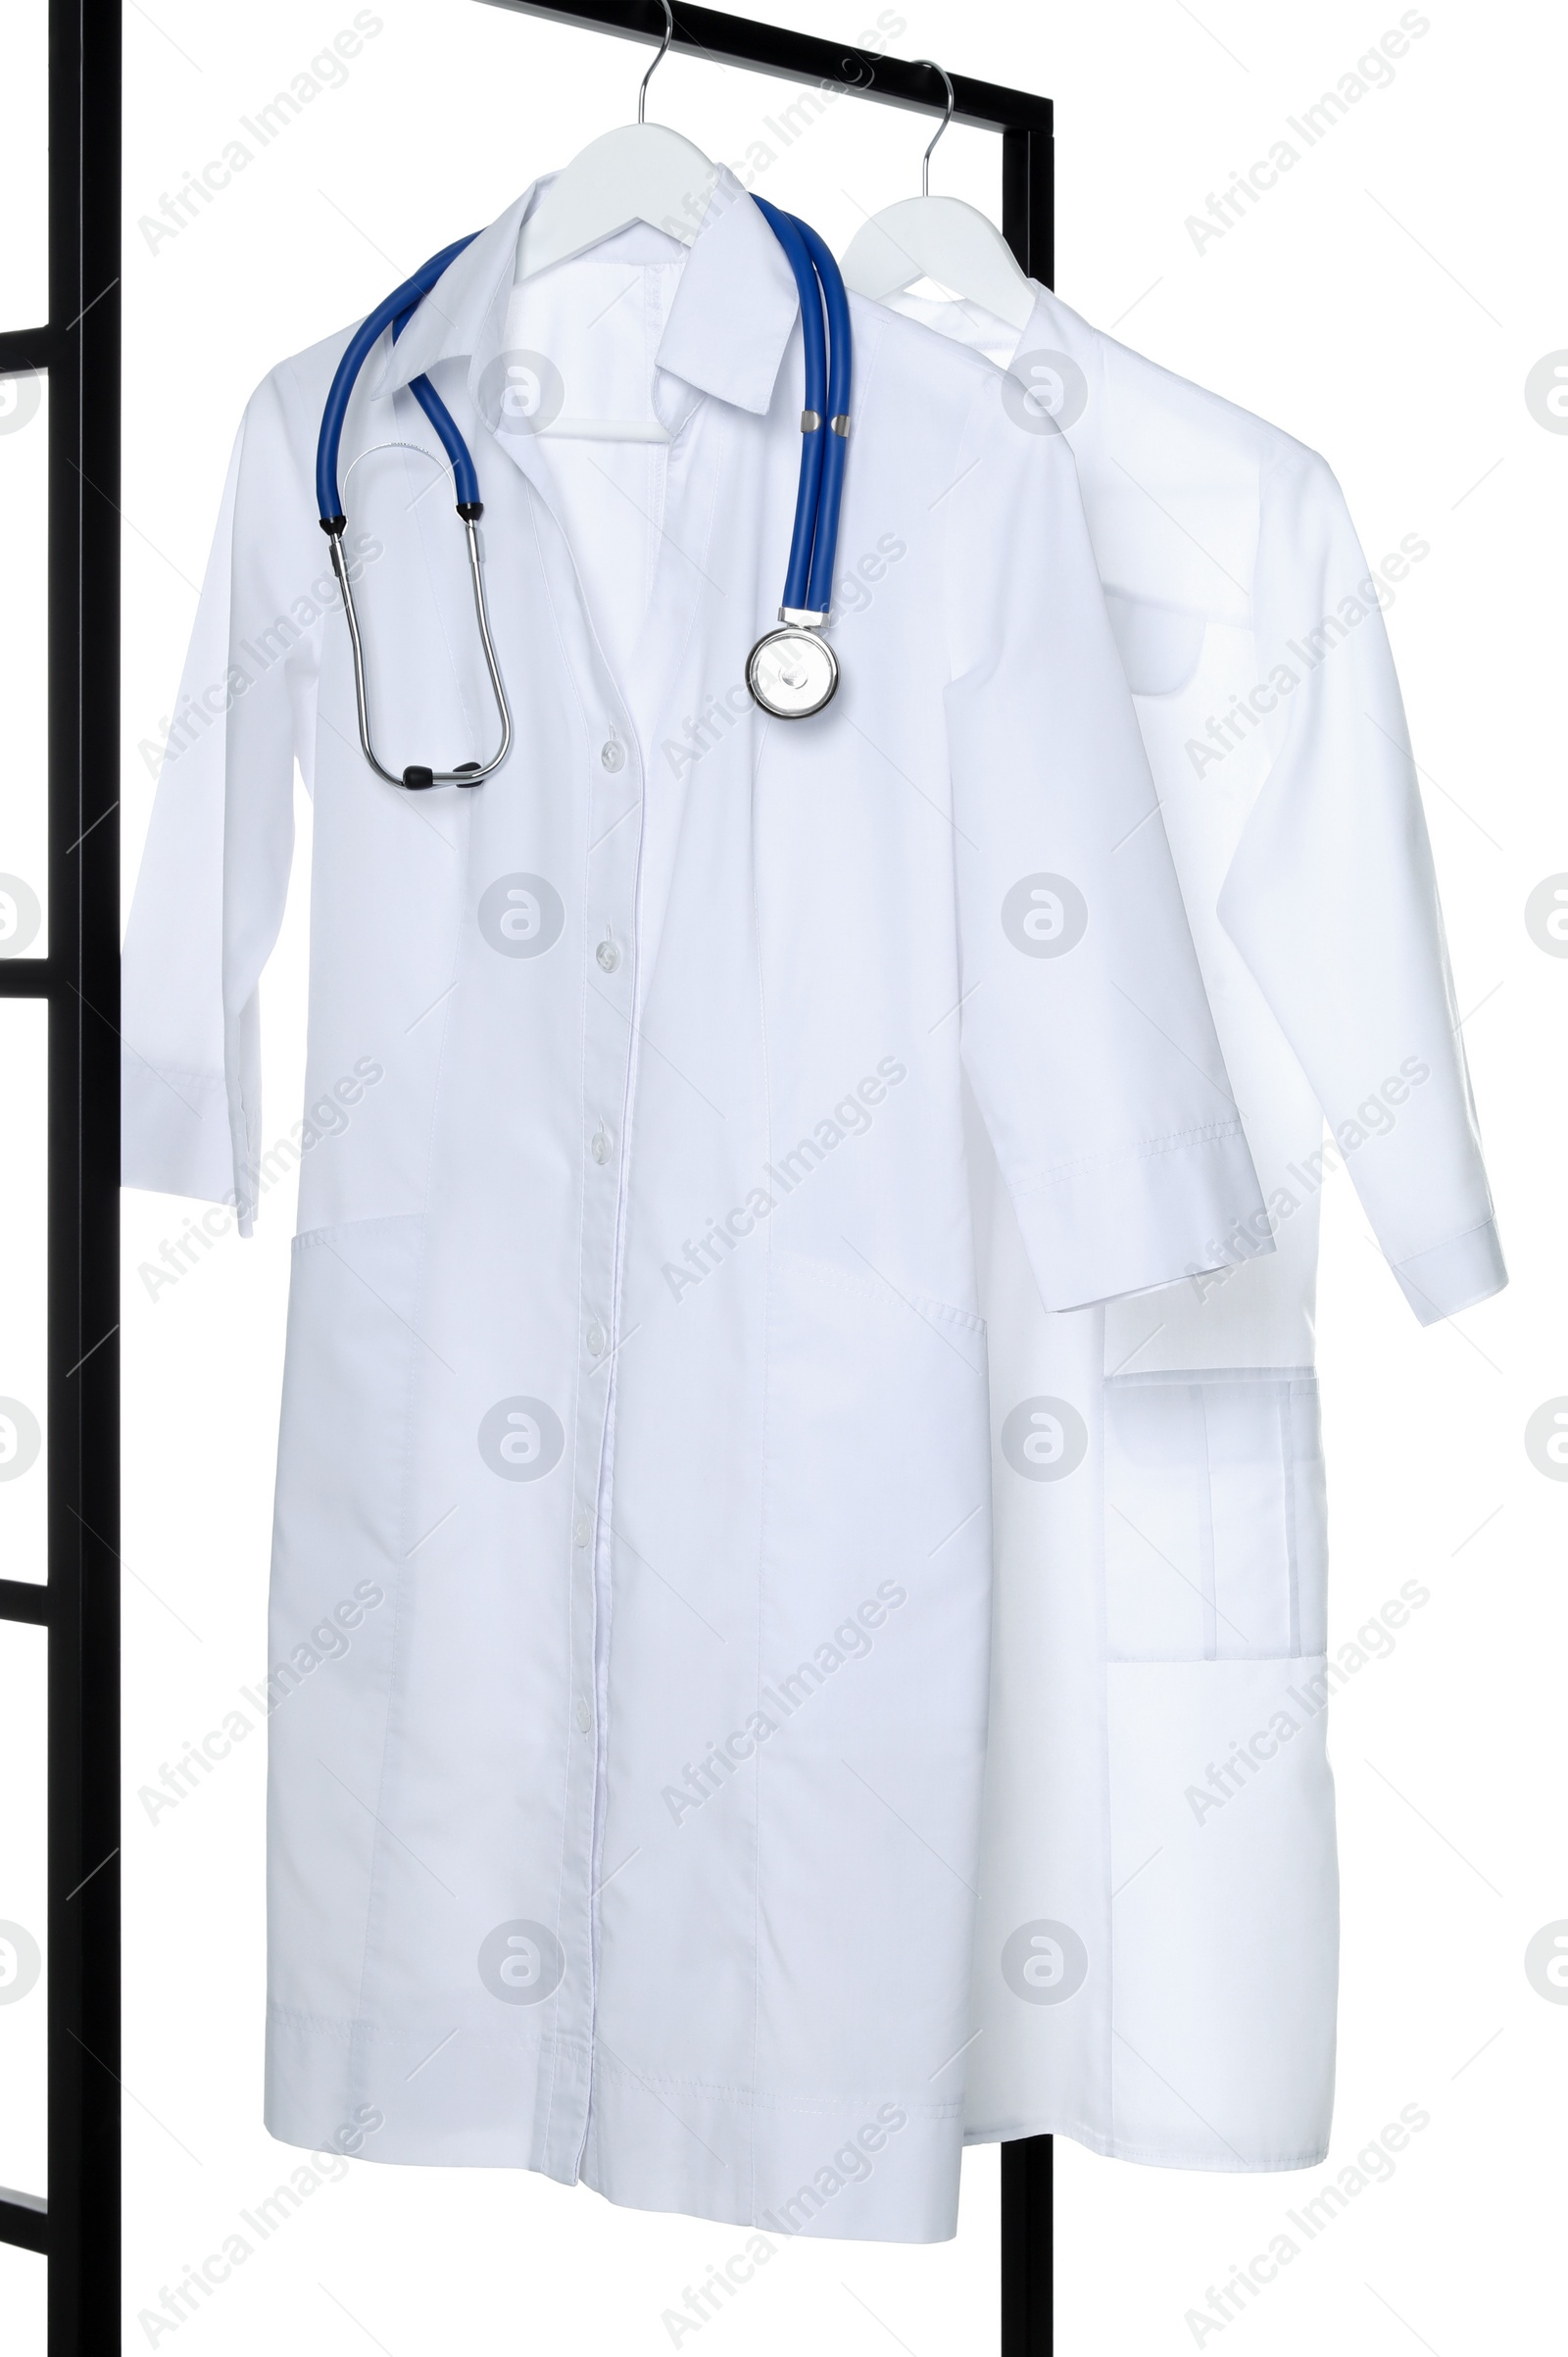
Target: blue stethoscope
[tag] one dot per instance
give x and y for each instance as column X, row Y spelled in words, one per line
column 792, row 671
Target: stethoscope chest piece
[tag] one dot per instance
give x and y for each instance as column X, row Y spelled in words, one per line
column 792, row 673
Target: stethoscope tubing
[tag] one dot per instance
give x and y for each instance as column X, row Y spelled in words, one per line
column 836, row 449
column 814, row 416
column 396, row 311
column 824, row 433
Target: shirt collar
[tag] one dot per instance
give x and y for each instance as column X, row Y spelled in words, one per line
column 1055, row 326
column 728, row 325
column 1053, row 320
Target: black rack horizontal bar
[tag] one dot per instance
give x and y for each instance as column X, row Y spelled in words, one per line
column 801, row 57
column 27, row 348
column 24, row 2221
column 1025, row 120
column 24, row 977
column 24, row 1600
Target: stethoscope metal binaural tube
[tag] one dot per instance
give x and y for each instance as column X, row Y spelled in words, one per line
column 396, row 311
column 467, row 773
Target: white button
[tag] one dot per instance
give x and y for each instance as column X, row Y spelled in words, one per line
column 612, row 756
column 585, row 1717
column 582, row 1529
column 599, row 1145
column 595, row 1339
column 607, row 955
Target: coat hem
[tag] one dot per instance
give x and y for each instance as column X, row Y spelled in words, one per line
column 1122, row 2148
column 831, row 2163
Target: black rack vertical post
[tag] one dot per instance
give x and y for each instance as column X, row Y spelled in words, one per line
column 78, row 352
column 1028, row 224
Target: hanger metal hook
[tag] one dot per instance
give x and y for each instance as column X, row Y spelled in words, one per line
column 669, row 35
column 925, row 161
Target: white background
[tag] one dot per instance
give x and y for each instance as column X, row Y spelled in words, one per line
column 1385, row 303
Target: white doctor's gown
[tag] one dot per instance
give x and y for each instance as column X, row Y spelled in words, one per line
column 635, row 1397
column 1156, row 1941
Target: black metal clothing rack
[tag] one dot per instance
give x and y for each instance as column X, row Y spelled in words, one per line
column 78, row 351
column 79, row 2227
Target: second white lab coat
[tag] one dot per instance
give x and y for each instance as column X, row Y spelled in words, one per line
column 1157, row 1949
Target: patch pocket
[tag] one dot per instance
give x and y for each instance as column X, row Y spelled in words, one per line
column 1224, row 1963
column 343, row 1438
column 1216, row 1533
column 879, row 1465
column 337, row 1538
column 1159, row 645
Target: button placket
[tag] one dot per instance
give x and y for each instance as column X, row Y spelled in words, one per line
column 608, row 795
column 609, row 1068
column 609, row 949
column 608, row 1046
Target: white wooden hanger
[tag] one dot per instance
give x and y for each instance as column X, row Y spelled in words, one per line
column 642, row 173
column 938, row 237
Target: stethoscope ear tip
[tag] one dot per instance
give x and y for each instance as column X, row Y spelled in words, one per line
column 466, row 774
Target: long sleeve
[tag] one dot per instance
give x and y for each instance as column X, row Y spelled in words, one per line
column 215, row 873
column 1331, row 900
column 1086, row 1032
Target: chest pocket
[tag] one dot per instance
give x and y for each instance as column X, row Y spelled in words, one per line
column 1215, row 1532
column 1159, row 645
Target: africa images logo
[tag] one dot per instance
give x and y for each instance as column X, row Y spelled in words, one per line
column 21, row 915
column 21, row 1438
column 521, row 1963
column 1045, row 915
column 521, row 392
column 522, row 1439
column 522, row 916
column 1545, row 916
column 1547, row 1439
column 1044, row 1438
column 21, row 395
column 1045, row 1963
column 1045, row 392
column 21, row 1962
column 1547, row 392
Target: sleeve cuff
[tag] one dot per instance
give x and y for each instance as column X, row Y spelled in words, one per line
column 1124, row 1223
column 174, row 1131
column 1453, row 1275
